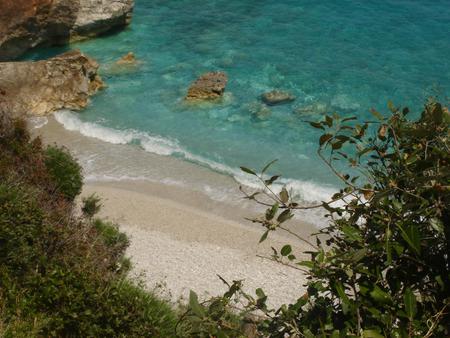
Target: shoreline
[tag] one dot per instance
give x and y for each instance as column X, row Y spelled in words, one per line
column 182, row 238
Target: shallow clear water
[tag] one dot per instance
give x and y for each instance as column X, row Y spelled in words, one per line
column 347, row 56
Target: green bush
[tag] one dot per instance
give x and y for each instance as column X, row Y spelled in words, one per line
column 21, row 225
column 381, row 268
column 64, row 170
column 91, row 206
column 111, row 236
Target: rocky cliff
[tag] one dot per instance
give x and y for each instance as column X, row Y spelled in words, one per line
column 39, row 88
column 25, row 24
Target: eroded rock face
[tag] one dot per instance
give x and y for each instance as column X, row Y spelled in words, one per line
column 277, row 97
column 25, row 24
column 209, row 86
column 39, row 88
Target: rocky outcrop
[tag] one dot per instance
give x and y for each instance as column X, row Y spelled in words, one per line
column 25, row 24
column 277, row 97
column 39, row 88
column 99, row 16
column 209, row 86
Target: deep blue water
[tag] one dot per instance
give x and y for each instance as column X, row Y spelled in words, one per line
column 347, row 56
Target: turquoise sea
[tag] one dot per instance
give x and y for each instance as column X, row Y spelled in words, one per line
column 346, row 56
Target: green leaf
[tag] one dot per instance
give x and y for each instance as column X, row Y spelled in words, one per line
column 284, row 195
column 329, row 121
column 286, row 250
column 324, row 138
column 271, row 180
column 380, row 296
column 341, row 292
column 248, row 171
column 271, row 212
column 391, row 106
column 352, row 233
column 377, row 115
column 410, row 304
column 264, row 236
column 357, row 255
column 195, row 305
column 268, row 166
column 308, row 264
column 284, row 216
column 412, row 236
column 260, row 293
column 317, row 125
column 337, row 145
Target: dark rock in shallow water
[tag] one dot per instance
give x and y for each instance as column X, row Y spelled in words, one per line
column 209, row 86
column 40, row 88
column 277, row 97
column 25, row 24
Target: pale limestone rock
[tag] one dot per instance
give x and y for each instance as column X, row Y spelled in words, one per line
column 40, row 88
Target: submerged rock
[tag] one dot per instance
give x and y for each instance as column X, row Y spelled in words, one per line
column 42, row 87
column 209, row 86
column 25, row 24
column 317, row 108
column 128, row 59
column 259, row 111
column 277, row 97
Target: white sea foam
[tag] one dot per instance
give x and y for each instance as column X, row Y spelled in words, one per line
column 71, row 122
column 304, row 191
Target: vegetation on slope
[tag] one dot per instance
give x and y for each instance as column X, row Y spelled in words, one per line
column 62, row 275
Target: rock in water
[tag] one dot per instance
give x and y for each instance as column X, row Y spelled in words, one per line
column 129, row 59
column 42, row 87
column 277, row 97
column 209, row 86
column 25, row 24
column 317, row 108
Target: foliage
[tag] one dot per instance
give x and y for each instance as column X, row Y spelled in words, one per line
column 65, row 171
column 381, row 268
column 61, row 275
column 91, row 206
column 216, row 317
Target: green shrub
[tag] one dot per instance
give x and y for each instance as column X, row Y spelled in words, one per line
column 91, row 206
column 21, row 225
column 111, row 236
column 381, row 268
column 65, row 171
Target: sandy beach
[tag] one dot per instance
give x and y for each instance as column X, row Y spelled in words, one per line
column 182, row 239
